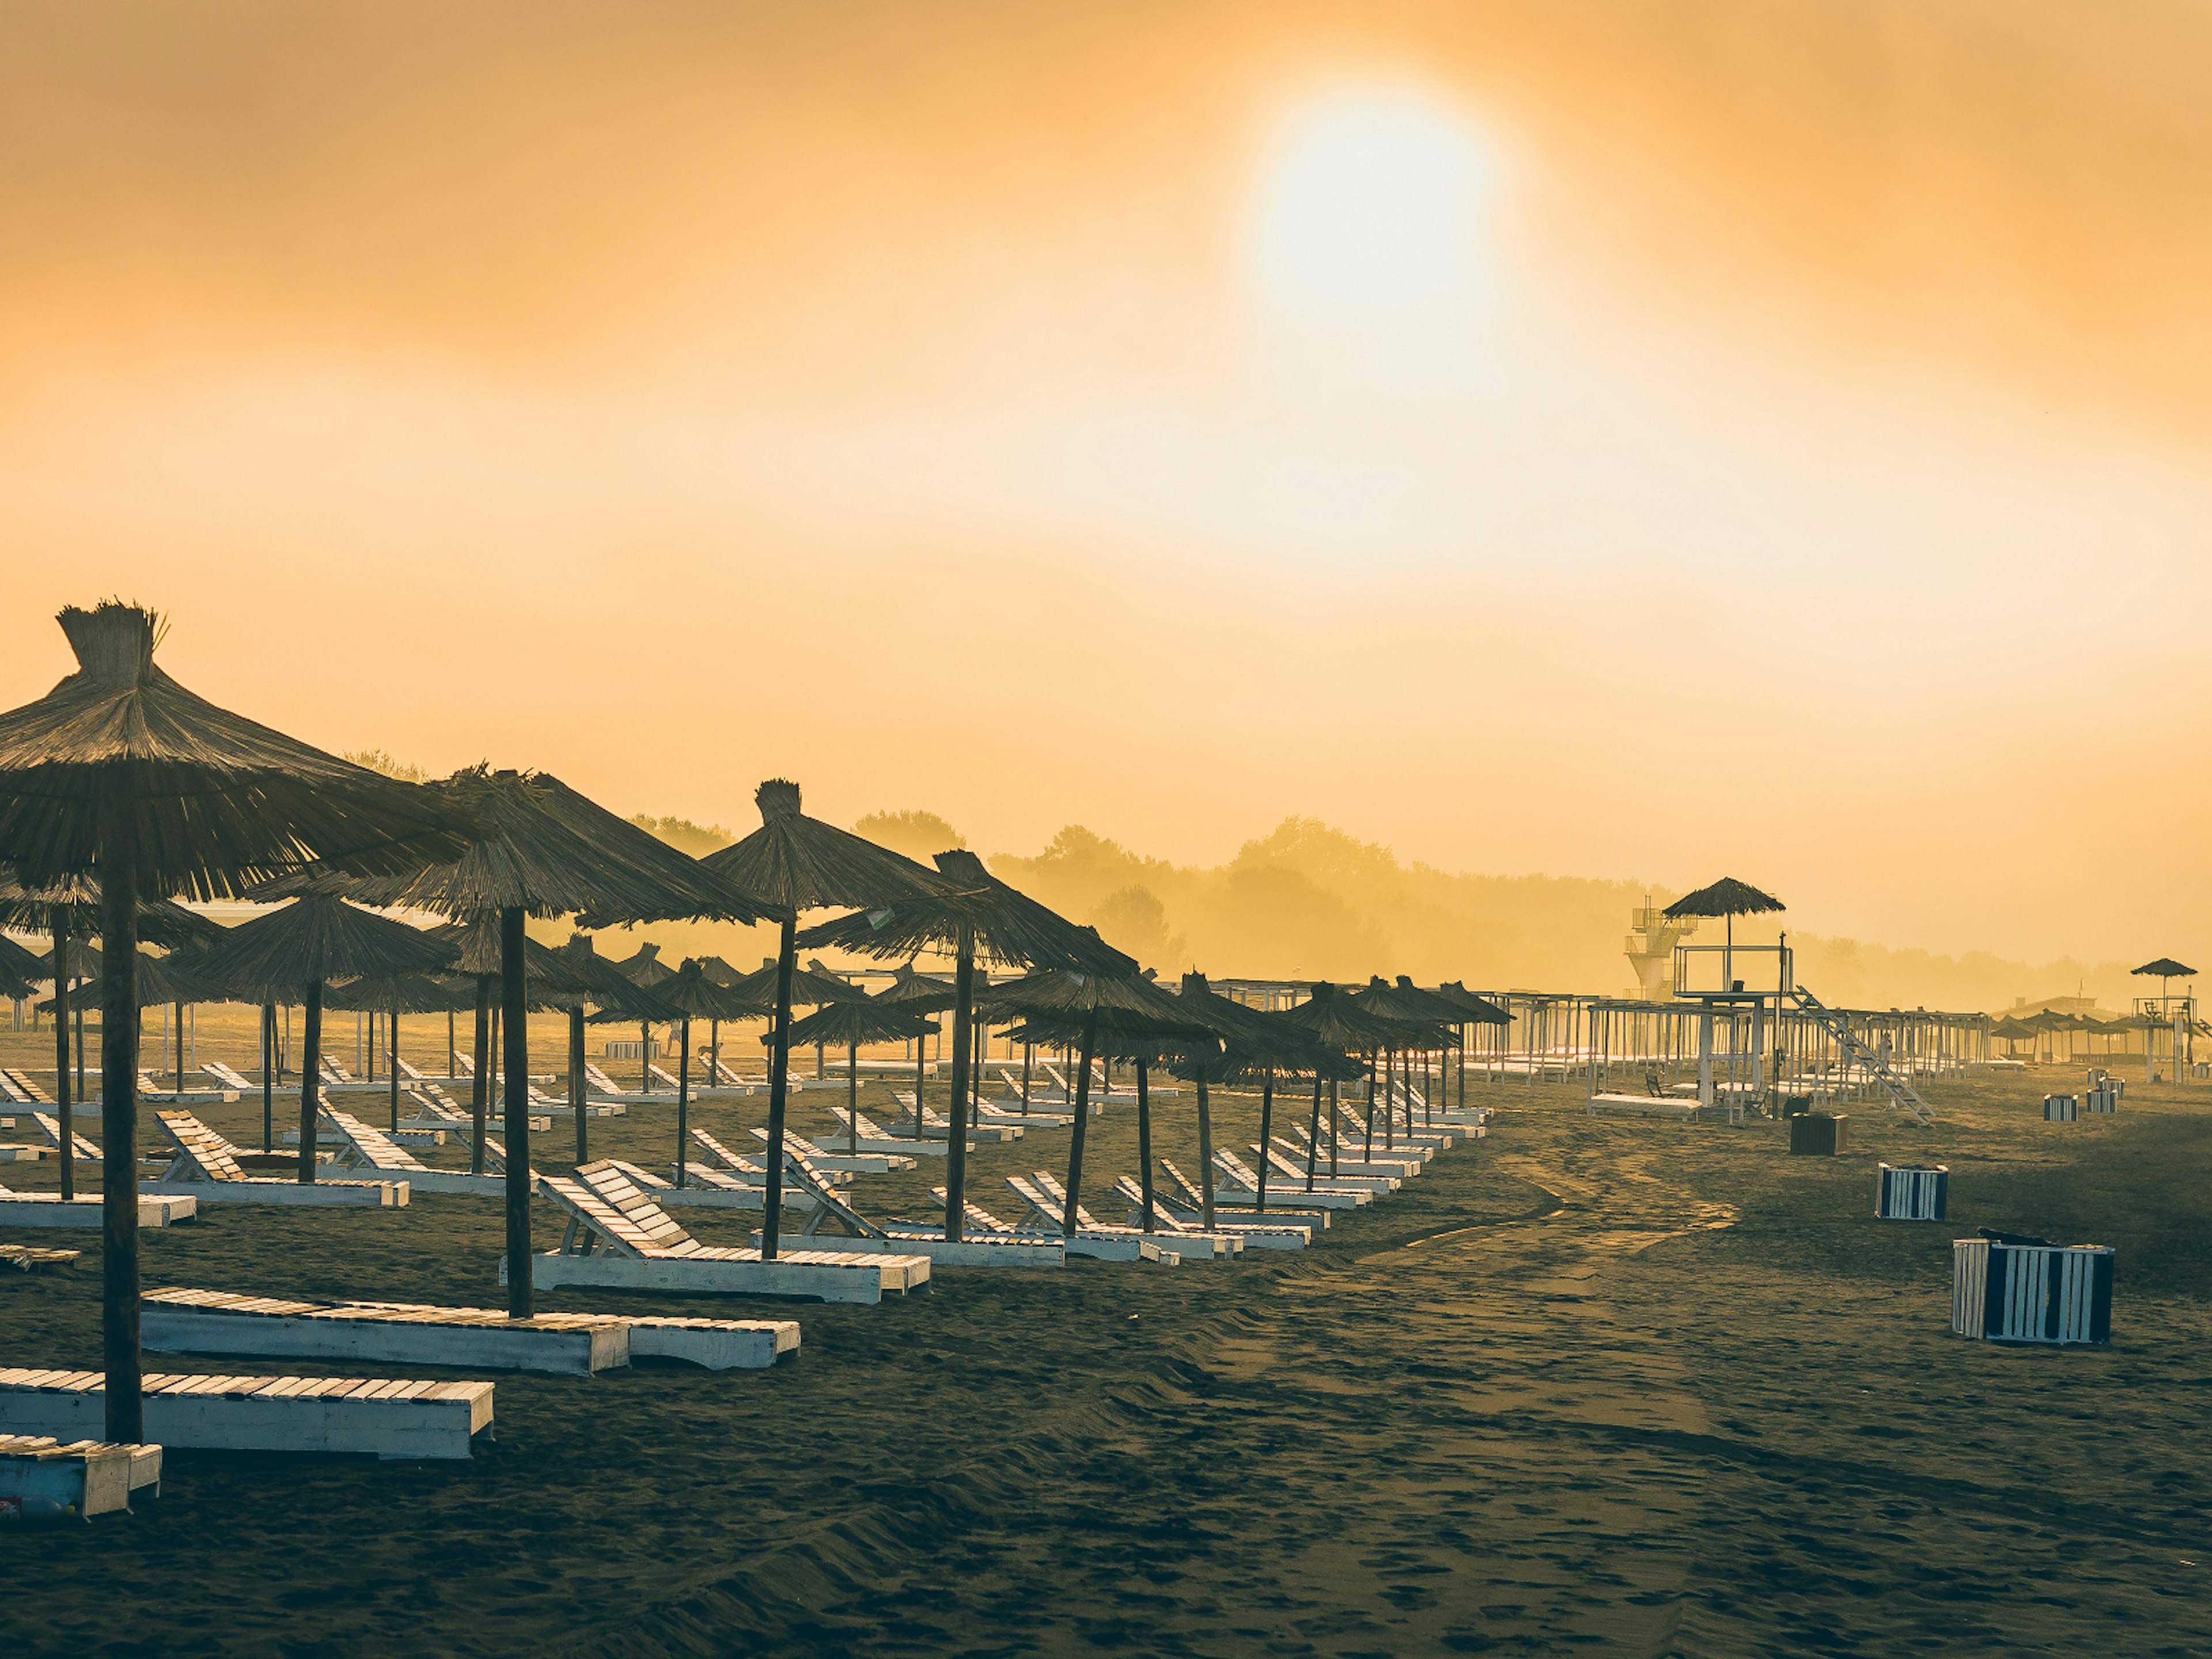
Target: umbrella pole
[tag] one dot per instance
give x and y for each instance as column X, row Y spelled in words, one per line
column 311, row 1070
column 119, row 1089
column 1267, row 1127
column 64, row 1100
column 1367, row 1152
column 1313, row 1136
column 452, row 1050
column 956, row 1146
column 645, row 1057
column 479, row 1106
column 852, row 1099
column 779, row 1081
column 180, row 1047
column 921, row 1069
column 268, row 1076
column 1029, row 1050
column 682, row 1093
column 514, row 994
column 1205, row 1160
column 1082, row 1122
column 1145, row 1139
column 576, row 1078
column 393, row 1020
column 1336, row 1115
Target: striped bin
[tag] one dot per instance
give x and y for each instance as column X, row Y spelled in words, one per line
column 2061, row 1108
column 2101, row 1100
column 1912, row 1192
column 2006, row 1292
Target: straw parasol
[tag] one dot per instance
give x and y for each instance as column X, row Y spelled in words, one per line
column 539, row 848
column 20, row 970
column 972, row 913
column 295, row 951
column 1332, row 1019
column 863, row 1019
column 119, row 771
column 396, row 995
column 1125, row 1009
column 1473, row 1011
column 583, row 977
column 804, row 864
column 691, row 995
column 1729, row 898
column 1420, row 1019
column 922, row 993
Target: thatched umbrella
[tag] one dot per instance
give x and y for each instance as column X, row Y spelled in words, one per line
column 973, row 913
column 1337, row 1023
column 863, row 1019
column 1419, row 1018
column 584, row 978
column 539, row 848
column 812, row 986
column 1134, row 1017
column 804, row 864
column 121, row 772
column 916, row 993
column 646, row 968
column 691, row 995
column 1473, row 1011
column 300, row 948
column 20, row 970
column 396, row 995
column 1729, row 898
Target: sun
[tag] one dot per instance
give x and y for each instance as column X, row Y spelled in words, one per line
column 1373, row 202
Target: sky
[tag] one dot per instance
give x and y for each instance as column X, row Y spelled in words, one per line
column 1629, row 440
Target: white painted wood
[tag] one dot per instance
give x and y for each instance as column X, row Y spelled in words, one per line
column 44, row 1477
column 317, row 1194
column 573, row 1344
column 846, row 1278
column 14, row 1154
column 387, row 1419
column 51, row 1209
column 994, row 1252
column 719, row 1344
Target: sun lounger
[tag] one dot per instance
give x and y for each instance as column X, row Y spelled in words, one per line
column 1100, row 1094
column 51, row 1127
column 1238, row 1181
column 1045, row 1203
column 873, row 1138
column 568, row 1343
column 1286, row 1168
column 830, row 1205
column 87, row 1210
column 367, row 1147
column 206, row 1167
column 152, row 1093
column 45, row 1479
column 980, row 1223
column 390, row 1418
column 17, row 1089
column 1172, row 1217
column 1612, row 1105
column 30, row 1258
column 230, row 1077
column 619, row 1238
column 1182, row 1193
column 1348, row 1164
column 938, row 1126
column 851, row 1163
column 756, row 1169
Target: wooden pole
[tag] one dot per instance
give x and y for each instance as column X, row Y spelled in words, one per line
column 956, row 1149
column 514, row 994
column 479, row 1098
column 778, row 1083
column 310, row 1068
column 1266, row 1129
column 392, row 1071
column 1313, row 1138
column 645, row 1057
column 1029, row 1052
column 452, row 1050
column 852, row 1099
column 1205, row 1160
column 57, row 916
column 118, row 1090
column 180, row 1047
column 1076, row 1137
column 683, row 1099
column 576, row 1080
column 921, row 1070
column 268, row 1076
column 1145, row 1140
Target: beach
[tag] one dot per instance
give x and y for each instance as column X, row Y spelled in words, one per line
column 1585, row 1386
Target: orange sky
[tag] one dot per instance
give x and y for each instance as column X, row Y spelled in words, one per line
column 1630, row 439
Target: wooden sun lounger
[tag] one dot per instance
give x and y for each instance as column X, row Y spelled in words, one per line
column 1612, row 1105
column 206, row 1167
column 152, row 1093
column 1290, row 1169
column 1348, row 1165
column 390, row 1418
column 874, row 1138
column 1193, row 1245
column 619, row 1238
column 1170, row 1217
column 50, row 1126
column 16, row 1087
column 1044, row 1211
column 851, row 1163
column 1238, row 1181
column 938, row 1126
column 569, row 1344
column 87, row 1209
column 367, row 1147
column 830, row 1205
column 1190, row 1204
column 42, row 1478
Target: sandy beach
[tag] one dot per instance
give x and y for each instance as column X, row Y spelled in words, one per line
column 1586, row 1386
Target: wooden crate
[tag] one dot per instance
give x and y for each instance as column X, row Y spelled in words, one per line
column 1819, row 1134
column 1912, row 1192
column 2009, row 1292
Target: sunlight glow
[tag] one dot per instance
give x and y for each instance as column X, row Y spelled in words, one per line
column 1373, row 201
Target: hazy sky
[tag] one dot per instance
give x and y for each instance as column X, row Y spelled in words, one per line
column 1653, row 439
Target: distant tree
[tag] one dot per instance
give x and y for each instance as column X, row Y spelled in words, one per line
column 918, row 835
column 696, row 839
column 377, row 761
column 1134, row 920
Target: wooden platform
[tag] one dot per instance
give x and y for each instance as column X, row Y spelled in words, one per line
column 383, row 1418
column 28, row 1258
column 43, row 1479
column 319, row 1194
column 1681, row 1111
column 155, row 1209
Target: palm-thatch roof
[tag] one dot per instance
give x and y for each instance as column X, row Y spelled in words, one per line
column 917, row 993
column 1726, row 897
column 19, row 969
column 1334, row 1020
column 216, row 801
column 689, row 992
column 582, row 973
column 159, row 980
column 406, row 993
column 2165, row 968
column 1415, row 1013
column 316, row 939
column 646, row 968
column 866, row 1020
column 1474, row 1010
column 84, row 961
column 1062, row 1001
column 811, row 985
column 161, row 922
column 538, row 846
column 1005, row 924
column 806, row 864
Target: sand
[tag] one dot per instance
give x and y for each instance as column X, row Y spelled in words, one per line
column 1588, row 1387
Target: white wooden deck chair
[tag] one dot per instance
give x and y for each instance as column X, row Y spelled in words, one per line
column 1171, row 1215
column 369, row 1148
column 599, row 1081
column 436, row 1109
column 331, row 1071
column 978, row 1218
column 1192, row 1244
column 618, row 1237
column 16, row 1084
column 703, row 1188
column 755, row 1170
column 1041, row 1218
column 51, row 1127
column 665, row 1077
column 1238, row 1181
column 938, row 1126
column 206, row 1167
column 1182, row 1195
column 1287, row 1167
column 1398, row 1165
column 230, row 1077
column 874, row 1138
